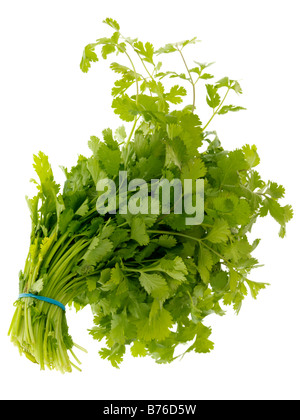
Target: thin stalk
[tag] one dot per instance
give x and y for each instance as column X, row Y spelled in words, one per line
column 191, row 79
column 217, row 110
column 191, row 238
column 81, row 244
column 132, row 130
column 54, row 250
column 135, row 75
column 144, row 65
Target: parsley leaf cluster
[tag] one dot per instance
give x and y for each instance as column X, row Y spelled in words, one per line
column 150, row 279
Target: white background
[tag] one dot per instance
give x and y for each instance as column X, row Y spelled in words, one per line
column 48, row 104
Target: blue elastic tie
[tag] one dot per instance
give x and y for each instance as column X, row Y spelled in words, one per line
column 45, row 299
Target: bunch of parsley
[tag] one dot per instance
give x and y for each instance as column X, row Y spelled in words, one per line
column 150, row 279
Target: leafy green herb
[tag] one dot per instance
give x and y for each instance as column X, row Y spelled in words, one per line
column 150, row 279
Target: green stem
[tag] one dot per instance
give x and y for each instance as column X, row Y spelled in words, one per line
column 191, row 238
column 143, row 63
column 217, row 110
column 135, row 75
column 191, row 79
column 54, row 250
column 216, row 253
column 76, row 248
column 132, row 130
column 164, row 232
column 149, row 74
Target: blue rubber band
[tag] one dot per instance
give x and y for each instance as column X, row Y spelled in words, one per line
column 45, row 299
